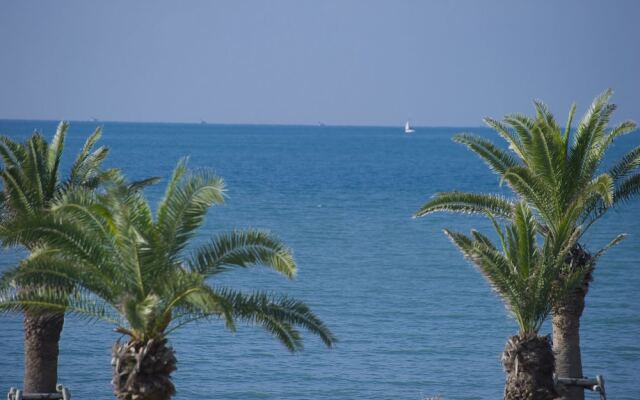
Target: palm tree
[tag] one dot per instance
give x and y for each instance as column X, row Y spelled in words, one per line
column 525, row 276
column 31, row 181
column 136, row 271
column 556, row 172
column 557, row 176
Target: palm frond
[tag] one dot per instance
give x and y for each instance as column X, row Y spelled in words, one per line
column 35, row 169
column 55, row 153
column 78, row 169
column 512, row 138
column 38, row 299
column 622, row 128
column 606, row 248
column 12, row 153
column 15, row 193
column 143, row 183
column 627, row 164
column 532, row 189
column 184, row 208
column 628, row 189
column 496, row 158
column 522, row 125
column 279, row 316
column 465, row 202
column 243, row 249
column 567, row 130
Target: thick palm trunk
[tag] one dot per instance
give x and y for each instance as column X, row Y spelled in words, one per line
column 566, row 329
column 142, row 370
column 529, row 364
column 41, row 338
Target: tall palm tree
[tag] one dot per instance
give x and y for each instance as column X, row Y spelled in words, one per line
column 31, row 181
column 525, row 276
column 136, row 271
column 556, row 171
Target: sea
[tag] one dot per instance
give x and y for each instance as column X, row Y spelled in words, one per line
column 414, row 320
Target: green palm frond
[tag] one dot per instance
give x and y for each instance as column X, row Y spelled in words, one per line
column 583, row 160
column 36, row 169
column 55, row 153
column 182, row 210
column 37, row 299
column 85, row 171
column 567, row 130
column 622, row 128
column 627, row 164
column 602, row 187
column 79, row 169
column 629, row 188
column 143, row 183
column 16, row 194
column 243, row 249
column 12, row 153
column 279, row 315
column 496, row 158
column 465, row 202
column 522, row 125
column 533, row 189
column 545, row 154
column 507, row 134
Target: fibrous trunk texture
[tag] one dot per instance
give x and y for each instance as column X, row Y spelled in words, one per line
column 41, row 337
column 566, row 327
column 529, row 364
column 142, row 370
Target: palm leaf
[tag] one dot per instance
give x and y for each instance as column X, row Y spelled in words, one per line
column 243, row 249
column 465, row 202
column 278, row 315
column 55, row 153
column 496, row 158
column 185, row 205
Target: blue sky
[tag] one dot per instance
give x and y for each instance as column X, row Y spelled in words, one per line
column 296, row 61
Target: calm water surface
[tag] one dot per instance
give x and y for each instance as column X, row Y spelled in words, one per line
column 413, row 318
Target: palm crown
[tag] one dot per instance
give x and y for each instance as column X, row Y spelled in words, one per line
column 135, row 271
column 555, row 170
column 524, row 274
column 31, row 173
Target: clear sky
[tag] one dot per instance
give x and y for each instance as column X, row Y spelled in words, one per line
column 295, row 61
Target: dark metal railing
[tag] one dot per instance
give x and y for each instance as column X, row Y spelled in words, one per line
column 62, row 393
column 594, row 384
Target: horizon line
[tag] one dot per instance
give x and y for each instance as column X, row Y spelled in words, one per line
column 203, row 122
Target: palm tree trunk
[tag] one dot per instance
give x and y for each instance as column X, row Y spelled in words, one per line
column 41, row 337
column 142, row 370
column 566, row 341
column 529, row 364
column 566, row 328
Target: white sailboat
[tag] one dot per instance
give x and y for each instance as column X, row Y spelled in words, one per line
column 408, row 128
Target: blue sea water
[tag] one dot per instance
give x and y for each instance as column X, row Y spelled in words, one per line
column 413, row 318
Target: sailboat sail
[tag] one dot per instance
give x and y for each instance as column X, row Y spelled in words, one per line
column 407, row 128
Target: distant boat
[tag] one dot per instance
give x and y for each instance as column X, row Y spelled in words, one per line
column 408, row 129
